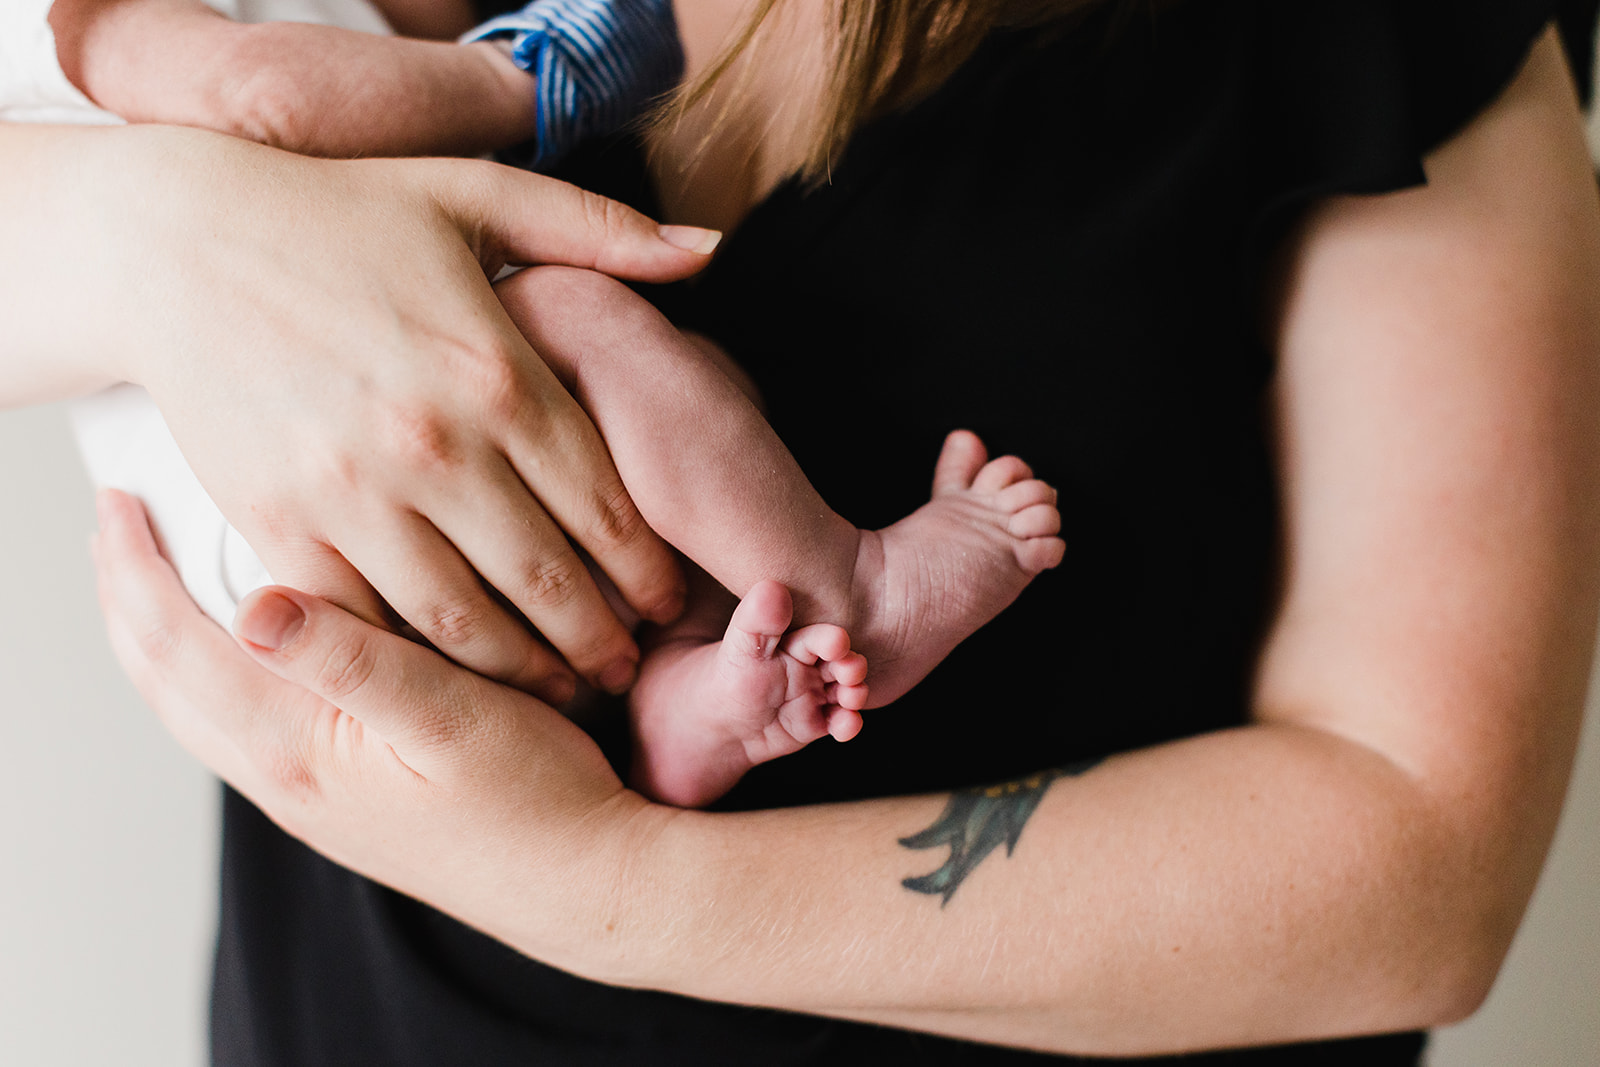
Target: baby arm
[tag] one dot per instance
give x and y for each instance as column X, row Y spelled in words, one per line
column 550, row 75
column 320, row 90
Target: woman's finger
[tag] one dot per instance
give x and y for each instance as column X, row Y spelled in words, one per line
column 218, row 703
column 434, row 589
column 556, row 454
column 557, row 449
column 521, row 552
column 563, row 459
column 526, row 218
column 439, row 718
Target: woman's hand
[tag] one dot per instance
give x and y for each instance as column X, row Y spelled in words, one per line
column 323, row 340
column 493, row 793
column 319, row 90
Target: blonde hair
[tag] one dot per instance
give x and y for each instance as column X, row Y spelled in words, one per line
column 882, row 55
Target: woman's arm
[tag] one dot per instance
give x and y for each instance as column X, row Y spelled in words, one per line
column 51, row 348
column 323, row 340
column 1355, row 861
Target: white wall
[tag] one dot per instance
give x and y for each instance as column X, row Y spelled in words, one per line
column 107, row 828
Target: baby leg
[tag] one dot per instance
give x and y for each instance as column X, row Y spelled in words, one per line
column 706, row 471
column 710, row 475
column 949, row 567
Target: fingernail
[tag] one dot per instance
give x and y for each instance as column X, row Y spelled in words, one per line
column 692, row 238
column 616, row 678
column 271, row 622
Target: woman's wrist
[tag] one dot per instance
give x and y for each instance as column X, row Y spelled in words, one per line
column 148, row 198
column 70, row 198
column 605, row 910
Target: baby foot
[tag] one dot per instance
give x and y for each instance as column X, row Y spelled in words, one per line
column 704, row 714
column 927, row 582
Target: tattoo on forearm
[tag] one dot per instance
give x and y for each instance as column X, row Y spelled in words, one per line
column 974, row 824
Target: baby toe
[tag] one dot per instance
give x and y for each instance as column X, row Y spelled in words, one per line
column 999, row 473
column 1041, row 520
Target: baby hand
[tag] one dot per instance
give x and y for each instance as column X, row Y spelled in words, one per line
column 318, row 90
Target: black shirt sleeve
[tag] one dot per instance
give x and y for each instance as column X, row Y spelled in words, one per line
column 1351, row 96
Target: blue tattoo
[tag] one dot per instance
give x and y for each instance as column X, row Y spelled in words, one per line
column 975, row 822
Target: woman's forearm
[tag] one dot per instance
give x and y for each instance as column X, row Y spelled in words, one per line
column 59, row 338
column 1267, row 884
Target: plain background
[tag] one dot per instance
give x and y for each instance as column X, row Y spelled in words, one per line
column 108, row 831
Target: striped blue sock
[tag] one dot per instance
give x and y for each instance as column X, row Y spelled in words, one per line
column 596, row 64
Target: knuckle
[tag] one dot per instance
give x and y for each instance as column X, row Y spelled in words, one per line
column 421, row 439
column 584, row 295
column 453, row 625
column 344, row 669
column 551, row 583
column 617, row 521
column 604, row 217
column 497, row 386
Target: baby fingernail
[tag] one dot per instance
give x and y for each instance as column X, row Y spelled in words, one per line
column 619, row 676
column 271, row 622
column 692, row 238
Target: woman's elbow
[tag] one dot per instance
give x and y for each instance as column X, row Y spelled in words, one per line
column 1467, row 914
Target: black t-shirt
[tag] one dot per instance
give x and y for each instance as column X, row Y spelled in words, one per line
column 1063, row 251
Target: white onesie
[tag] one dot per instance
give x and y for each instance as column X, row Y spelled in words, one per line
column 124, row 440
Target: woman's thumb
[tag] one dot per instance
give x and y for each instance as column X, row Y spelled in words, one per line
column 524, row 218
